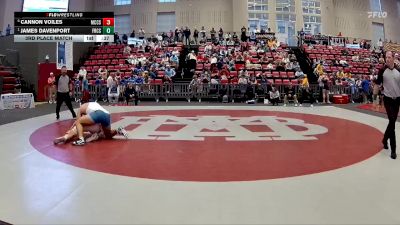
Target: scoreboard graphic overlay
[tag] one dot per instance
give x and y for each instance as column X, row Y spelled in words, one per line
column 64, row 26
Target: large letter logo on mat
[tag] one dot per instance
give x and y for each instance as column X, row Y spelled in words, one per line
column 217, row 145
column 232, row 128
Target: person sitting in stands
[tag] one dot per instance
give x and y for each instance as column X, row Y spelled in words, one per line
column 113, row 90
column 347, row 75
column 290, row 93
column 174, row 61
column 243, row 80
column 299, row 73
column 131, row 93
column 270, row 66
column 127, row 50
column 272, row 44
column 169, row 73
column 274, row 95
column 319, row 70
column 103, row 73
column 340, row 74
column 343, row 62
column 355, row 58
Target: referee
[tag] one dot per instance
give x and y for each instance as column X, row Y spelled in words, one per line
column 64, row 92
column 389, row 78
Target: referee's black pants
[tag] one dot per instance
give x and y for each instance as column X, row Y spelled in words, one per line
column 392, row 110
column 64, row 97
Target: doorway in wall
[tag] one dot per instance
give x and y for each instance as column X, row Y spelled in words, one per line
column 166, row 21
column 378, row 32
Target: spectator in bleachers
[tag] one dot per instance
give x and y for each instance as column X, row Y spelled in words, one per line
column 116, row 38
column 380, row 44
column 274, row 95
column 170, row 72
column 131, row 94
column 132, row 59
column 196, row 35
column 221, row 34
column 8, row 30
column 235, row 37
column 340, row 74
column 355, row 58
column 214, row 80
column 299, row 73
column 213, row 33
column 187, row 34
column 343, row 63
column 113, row 89
column 365, row 85
column 290, row 94
column 82, row 71
column 103, row 73
column 127, row 50
column 174, row 61
column 51, row 88
column 85, row 89
column 125, row 39
column 243, row 79
column 141, row 33
column 132, row 34
column 325, row 89
column 243, row 36
column 306, row 92
column 203, row 33
column 272, row 44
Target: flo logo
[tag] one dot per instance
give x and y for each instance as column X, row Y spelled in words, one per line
column 253, row 128
column 377, row 15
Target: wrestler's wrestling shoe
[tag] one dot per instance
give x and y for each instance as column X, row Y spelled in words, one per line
column 79, row 142
column 123, row 132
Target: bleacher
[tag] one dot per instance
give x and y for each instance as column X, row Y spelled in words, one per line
column 8, row 75
column 273, row 76
column 111, row 57
column 335, row 53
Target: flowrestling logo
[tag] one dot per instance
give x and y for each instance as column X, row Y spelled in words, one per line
column 253, row 128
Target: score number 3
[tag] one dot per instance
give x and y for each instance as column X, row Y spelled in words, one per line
column 108, row 22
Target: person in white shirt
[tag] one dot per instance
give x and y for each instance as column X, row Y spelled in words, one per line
column 274, row 95
column 113, row 89
column 213, row 60
column 127, row 50
column 132, row 59
column 103, row 73
column 175, row 52
column 214, row 80
column 192, row 56
column 82, row 72
column 141, row 33
column 243, row 80
column 380, row 44
column 91, row 114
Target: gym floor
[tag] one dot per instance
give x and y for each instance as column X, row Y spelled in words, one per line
column 201, row 163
